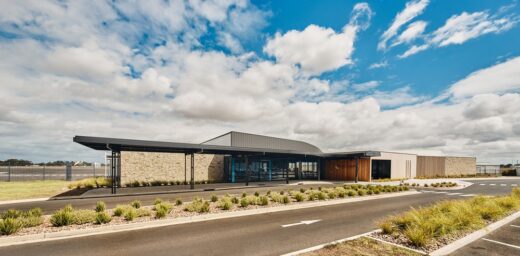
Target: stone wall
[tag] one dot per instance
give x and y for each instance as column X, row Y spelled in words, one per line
column 460, row 165
column 150, row 166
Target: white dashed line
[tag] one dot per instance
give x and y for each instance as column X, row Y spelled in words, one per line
column 468, row 195
column 514, row 185
column 515, row 226
column 503, row 185
column 482, row 184
column 497, row 242
column 492, row 184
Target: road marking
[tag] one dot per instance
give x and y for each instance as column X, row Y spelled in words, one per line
column 303, row 222
column 468, row 195
column 482, row 184
column 492, row 184
column 454, row 194
column 497, row 242
column 515, row 226
column 503, row 185
column 514, row 185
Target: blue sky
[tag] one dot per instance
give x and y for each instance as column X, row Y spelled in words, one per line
column 423, row 76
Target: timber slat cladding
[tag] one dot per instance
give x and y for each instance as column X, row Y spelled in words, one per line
column 431, row 166
column 345, row 169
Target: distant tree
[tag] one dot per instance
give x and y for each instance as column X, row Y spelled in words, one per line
column 16, row 162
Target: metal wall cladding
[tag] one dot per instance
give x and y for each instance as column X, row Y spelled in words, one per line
column 239, row 139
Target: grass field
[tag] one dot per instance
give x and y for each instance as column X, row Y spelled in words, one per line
column 362, row 246
column 16, row 190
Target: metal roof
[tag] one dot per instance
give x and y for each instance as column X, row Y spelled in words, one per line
column 103, row 143
column 248, row 140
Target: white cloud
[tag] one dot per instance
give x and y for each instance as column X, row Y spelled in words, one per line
column 500, row 78
column 381, row 64
column 463, row 27
column 413, row 31
column 365, row 86
column 317, row 49
column 412, row 9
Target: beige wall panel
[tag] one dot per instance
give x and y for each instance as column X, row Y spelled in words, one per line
column 460, row 165
column 150, row 166
column 402, row 165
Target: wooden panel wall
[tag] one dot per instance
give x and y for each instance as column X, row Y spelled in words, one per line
column 431, row 166
column 345, row 169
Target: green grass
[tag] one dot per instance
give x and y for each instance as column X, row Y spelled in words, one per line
column 362, row 247
column 16, row 190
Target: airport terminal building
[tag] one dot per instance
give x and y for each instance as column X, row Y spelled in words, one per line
column 243, row 157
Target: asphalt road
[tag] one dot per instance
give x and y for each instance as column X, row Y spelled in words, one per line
column 504, row 241
column 250, row 235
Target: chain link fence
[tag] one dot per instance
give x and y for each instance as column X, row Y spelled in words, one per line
column 25, row 173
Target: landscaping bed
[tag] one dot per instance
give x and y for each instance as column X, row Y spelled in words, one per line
column 430, row 228
column 14, row 222
column 362, row 246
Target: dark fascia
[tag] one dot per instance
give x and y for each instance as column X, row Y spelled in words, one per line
column 117, row 144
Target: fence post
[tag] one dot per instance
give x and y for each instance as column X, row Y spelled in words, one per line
column 68, row 172
column 9, row 172
column 43, row 172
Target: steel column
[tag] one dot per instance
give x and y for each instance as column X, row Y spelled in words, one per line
column 113, row 172
column 287, row 172
column 318, row 167
column 185, row 170
column 192, row 181
column 357, row 169
column 247, row 170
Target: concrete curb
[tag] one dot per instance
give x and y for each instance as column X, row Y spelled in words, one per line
column 320, row 246
column 24, row 200
column 474, row 236
column 397, row 245
column 44, row 237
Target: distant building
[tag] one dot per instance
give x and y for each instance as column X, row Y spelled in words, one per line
column 488, row 168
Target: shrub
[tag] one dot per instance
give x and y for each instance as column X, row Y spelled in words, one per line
column 285, row 199
column 214, row 198
column 11, row 214
column 425, row 185
column 142, row 212
column 376, row 191
column 135, row 183
column 118, row 211
column 416, row 235
column 62, row 217
column 320, row 188
column 268, row 192
column 81, row 217
column 102, row 218
column 244, row 202
column 282, row 192
column 321, row 195
column 370, row 192
column 387, row 226
column 277, row 197
column 300, row 197
column 136, row 204
column 302, row 190
column 362, row 192
column 225, row 203
column 351, row 193
column 9, row 226
column 197, row 205
column 178, row 201
column 100, row 206
column 31, row 221
column 34, row 212
column 160, row 213
column 264, row 200
column 163, row 206
column 157, row 201
column 244, row 194
column 234, row 200
column 130, row 214
column 256, row 193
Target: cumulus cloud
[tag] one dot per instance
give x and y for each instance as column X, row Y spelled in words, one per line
column 411, row 10
column 381, row 64
column 413, row 31
column 365, row 86
column 317, row 49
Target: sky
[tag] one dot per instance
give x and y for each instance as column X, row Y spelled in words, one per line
column 423, row 76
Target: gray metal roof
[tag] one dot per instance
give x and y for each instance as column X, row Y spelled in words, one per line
column 248, row 140
column 103, row 143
